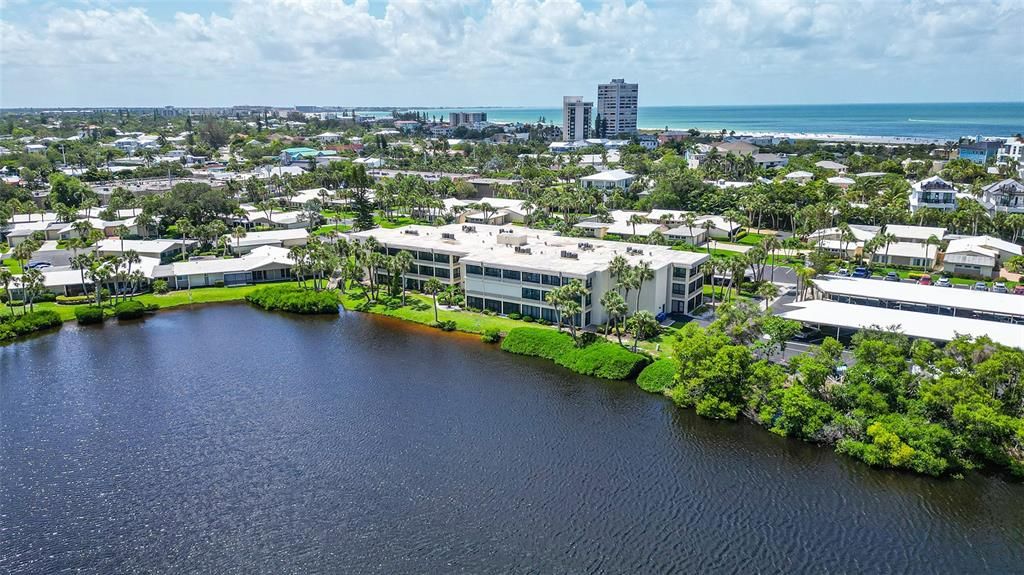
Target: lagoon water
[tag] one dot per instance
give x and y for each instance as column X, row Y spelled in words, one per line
column 932, row 121
column 229, row 440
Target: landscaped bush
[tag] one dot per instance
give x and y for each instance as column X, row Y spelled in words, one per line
column 528, row 318
column 514, row 315
column 129, row 310
column 491, row 335
column 600, row 359
column 658, row 376
column 447, row 325
column 294, row 299
column 47, row 296
column 160, row 286
column 73, row 299
column 89, row 314
column 218, row 283
column 19, row 325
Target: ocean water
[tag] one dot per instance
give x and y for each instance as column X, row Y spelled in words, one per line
column 931, row 121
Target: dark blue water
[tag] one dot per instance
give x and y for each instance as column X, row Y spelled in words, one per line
column 931, row 121
column 229, row 440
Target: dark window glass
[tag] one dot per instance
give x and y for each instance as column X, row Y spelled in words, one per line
column 510, row 274
column 473, row 270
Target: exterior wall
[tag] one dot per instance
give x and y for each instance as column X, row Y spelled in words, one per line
column 617, row 106
column 979, row 271
column 576, row 118
column 903, row 261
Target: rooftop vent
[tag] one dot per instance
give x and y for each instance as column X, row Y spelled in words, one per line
column 570, row 255
column 469, row 229
column 447, row 236
column 522, row 250
column 634, row 251
column 585, row 246
column 411, row 232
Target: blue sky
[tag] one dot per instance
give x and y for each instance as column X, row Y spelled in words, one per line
column 506, row 52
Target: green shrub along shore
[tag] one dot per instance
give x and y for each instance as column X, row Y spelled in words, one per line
column 658, row 376
column 294, row 299
column 598, row 358
column 12, row 327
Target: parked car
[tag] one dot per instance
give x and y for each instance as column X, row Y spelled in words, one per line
column 809, row 334
column 1018, row 289
column 892, row 277
column 861, row 273
column 944, row 282
column 843, row 272
column 925, row 280
column 37, row 265
column 1000, row 287
column 980, row 286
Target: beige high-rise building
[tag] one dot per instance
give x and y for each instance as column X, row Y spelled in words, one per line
column 616, row 108
column 576, row 118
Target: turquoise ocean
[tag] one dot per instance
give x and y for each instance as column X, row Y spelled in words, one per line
column 931, row 121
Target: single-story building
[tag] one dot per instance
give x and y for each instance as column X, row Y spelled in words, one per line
column 162, row 250
column 263, row 264
column 608, row 179
column 981, row 256
column 276, row 238
column 910, row 254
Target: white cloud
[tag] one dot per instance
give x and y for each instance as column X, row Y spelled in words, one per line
column 512, row 51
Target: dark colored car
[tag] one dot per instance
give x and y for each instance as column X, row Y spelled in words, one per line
column 861, row 273
column 892, row 277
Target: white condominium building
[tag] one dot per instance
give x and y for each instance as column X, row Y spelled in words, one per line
column 616, row 108
column 576, row 118
column 511, row 269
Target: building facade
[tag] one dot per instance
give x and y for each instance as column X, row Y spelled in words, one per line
column 933, row 192
column 510, row 270
column 616, row 108
column 576, row 118
column 456, row 119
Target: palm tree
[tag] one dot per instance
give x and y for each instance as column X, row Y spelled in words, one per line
column 238, row 233
column 433, row 286
column 636, row 219
column 6, row 277
column 31, row 285
column 555, row 298
column 122, row 231
column 707, row 225
column 403, row 263
column 767, row 290
column 185, row 229
column 770, row 244
column 641, row 273
column 616, row 308
column 642, row 322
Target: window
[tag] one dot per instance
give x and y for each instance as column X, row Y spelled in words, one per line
column 587, row 322
column 443, row 258
column 426, row 270
column 425, row 256
column 548, row 314
column 531, row 310
column 679, row 273
column 678, row 289
column 531, row 277
column 510, row 274
column 458, row 273
column 442, row 272
column 551, row 280
column 590, row 282
column 589, row 299
column 530, row 293
column 508, row 308
column 493, row 305
column 473, row 301
column 473, row 270
column 492, row 272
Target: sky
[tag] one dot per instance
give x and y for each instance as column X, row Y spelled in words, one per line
column 506, row 52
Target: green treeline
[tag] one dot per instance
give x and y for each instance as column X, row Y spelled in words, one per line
column 295, row 299
column 901, row 404
column 600, row 358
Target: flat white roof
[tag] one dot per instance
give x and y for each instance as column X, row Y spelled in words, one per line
column 914, row 324
column 272, row 236
column 999, row 303
column 546, row 248
column 914, row 232
column 140, row 246
column 255, row 259
column 909, row 250
column 617, row 175
column 985, row 242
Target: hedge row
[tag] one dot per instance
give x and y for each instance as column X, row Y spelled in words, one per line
column 599, row 359
column 292, row 298
column 89, row 314
column 658, row 376
column 131, row 309
column 19, row 325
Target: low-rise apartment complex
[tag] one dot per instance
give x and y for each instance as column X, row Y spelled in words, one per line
column 511, row 269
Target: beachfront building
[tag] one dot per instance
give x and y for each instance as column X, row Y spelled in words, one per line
column 471, row 119
column 616, row 108
column 576, row 118
column 1005, row 196
column 933, row 192
column 510, row 270
column 981, row 256
column 832, row 166
column 980, row 151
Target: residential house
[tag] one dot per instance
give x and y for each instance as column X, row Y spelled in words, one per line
column 263, row 264
column 915, row 234
column 799, row 176
column 1004, row 196
column 933, row 192
column 910, row 254
column 163, row 251
column 608, row 180
column 833, row 166
column 981, row 256
column 275, row 238
column 980, row 151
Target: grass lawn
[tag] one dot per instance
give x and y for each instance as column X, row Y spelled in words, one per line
column 169, row 300
column 330, row 228
column 751, row 239
column 13, row 265
column 714, row 251
column 420, row 309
